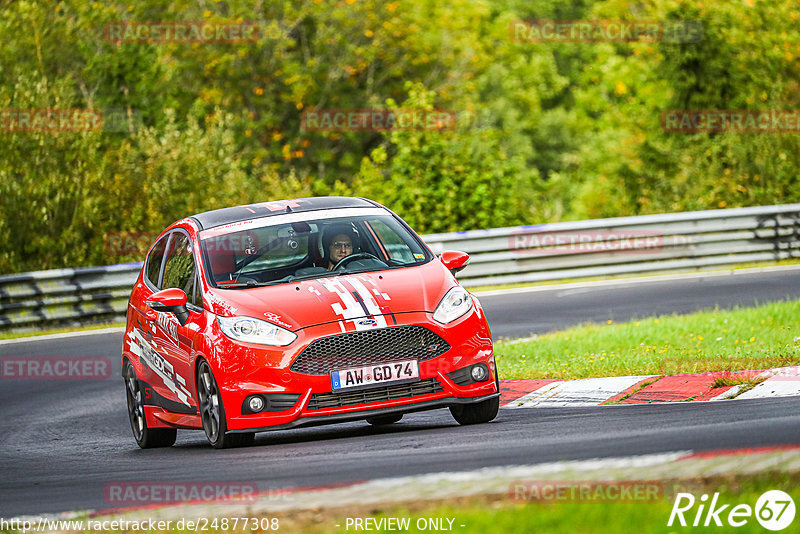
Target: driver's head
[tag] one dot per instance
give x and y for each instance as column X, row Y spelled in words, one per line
column 340, row 241
column 341, row 246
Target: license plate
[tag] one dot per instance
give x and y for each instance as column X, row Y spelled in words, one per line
column 374, row 374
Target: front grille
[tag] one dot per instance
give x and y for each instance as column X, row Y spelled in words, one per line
column 365, row 396
column 357, row 349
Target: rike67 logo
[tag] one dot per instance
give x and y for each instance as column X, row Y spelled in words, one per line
column 774, row 510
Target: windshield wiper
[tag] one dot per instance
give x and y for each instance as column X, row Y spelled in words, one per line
column 289, row 280
column 239, row 285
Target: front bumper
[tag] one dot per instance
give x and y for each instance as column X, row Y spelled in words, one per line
column 268, row 372
column 364, row 414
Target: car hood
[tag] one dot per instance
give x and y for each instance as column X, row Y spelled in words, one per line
column 350, row 298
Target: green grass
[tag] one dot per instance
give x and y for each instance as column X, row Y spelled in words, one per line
column 725, row 381
column 746, row 338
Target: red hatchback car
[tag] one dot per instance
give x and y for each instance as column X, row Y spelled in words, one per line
column 296, row 313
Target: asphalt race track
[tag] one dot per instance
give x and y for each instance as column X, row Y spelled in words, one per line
column 61, row 442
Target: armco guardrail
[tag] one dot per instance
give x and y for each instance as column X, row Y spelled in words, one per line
column 66, row 296
column 603, row 247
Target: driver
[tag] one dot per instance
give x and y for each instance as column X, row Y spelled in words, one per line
column 339, row 244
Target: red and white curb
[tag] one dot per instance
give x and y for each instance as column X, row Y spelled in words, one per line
column 536, row 393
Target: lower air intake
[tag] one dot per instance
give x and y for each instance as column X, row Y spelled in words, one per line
column 320, row 401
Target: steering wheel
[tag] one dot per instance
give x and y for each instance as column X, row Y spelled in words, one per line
column 352, row 257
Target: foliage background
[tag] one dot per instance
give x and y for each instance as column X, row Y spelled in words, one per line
column 550, row 132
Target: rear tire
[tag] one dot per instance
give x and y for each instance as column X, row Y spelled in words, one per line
column 146, row 438
column 384, row 419
column 212, row 413
column 480, row 412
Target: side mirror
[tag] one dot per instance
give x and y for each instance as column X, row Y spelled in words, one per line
column 454, row 260
column 170, row 300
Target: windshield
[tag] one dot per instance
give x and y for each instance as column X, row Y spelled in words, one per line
column 314, row 248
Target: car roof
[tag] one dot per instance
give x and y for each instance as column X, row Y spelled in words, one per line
column 211, row 219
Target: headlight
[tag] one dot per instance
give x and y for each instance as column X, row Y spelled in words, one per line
column 255, row 331
column 456, row 303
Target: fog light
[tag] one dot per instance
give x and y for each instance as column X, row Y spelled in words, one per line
column 479, row 372
column 256, row 403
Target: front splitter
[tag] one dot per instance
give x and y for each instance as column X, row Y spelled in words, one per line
column 364, row 414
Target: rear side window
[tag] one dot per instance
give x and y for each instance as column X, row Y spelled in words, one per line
column 179, row 268
column 154, row 260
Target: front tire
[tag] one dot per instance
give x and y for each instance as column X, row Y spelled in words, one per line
column 146, row 437
column 480, row 412
column 212, row 413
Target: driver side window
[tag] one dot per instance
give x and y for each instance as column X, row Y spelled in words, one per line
column 154, row 261
column 179, row 270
